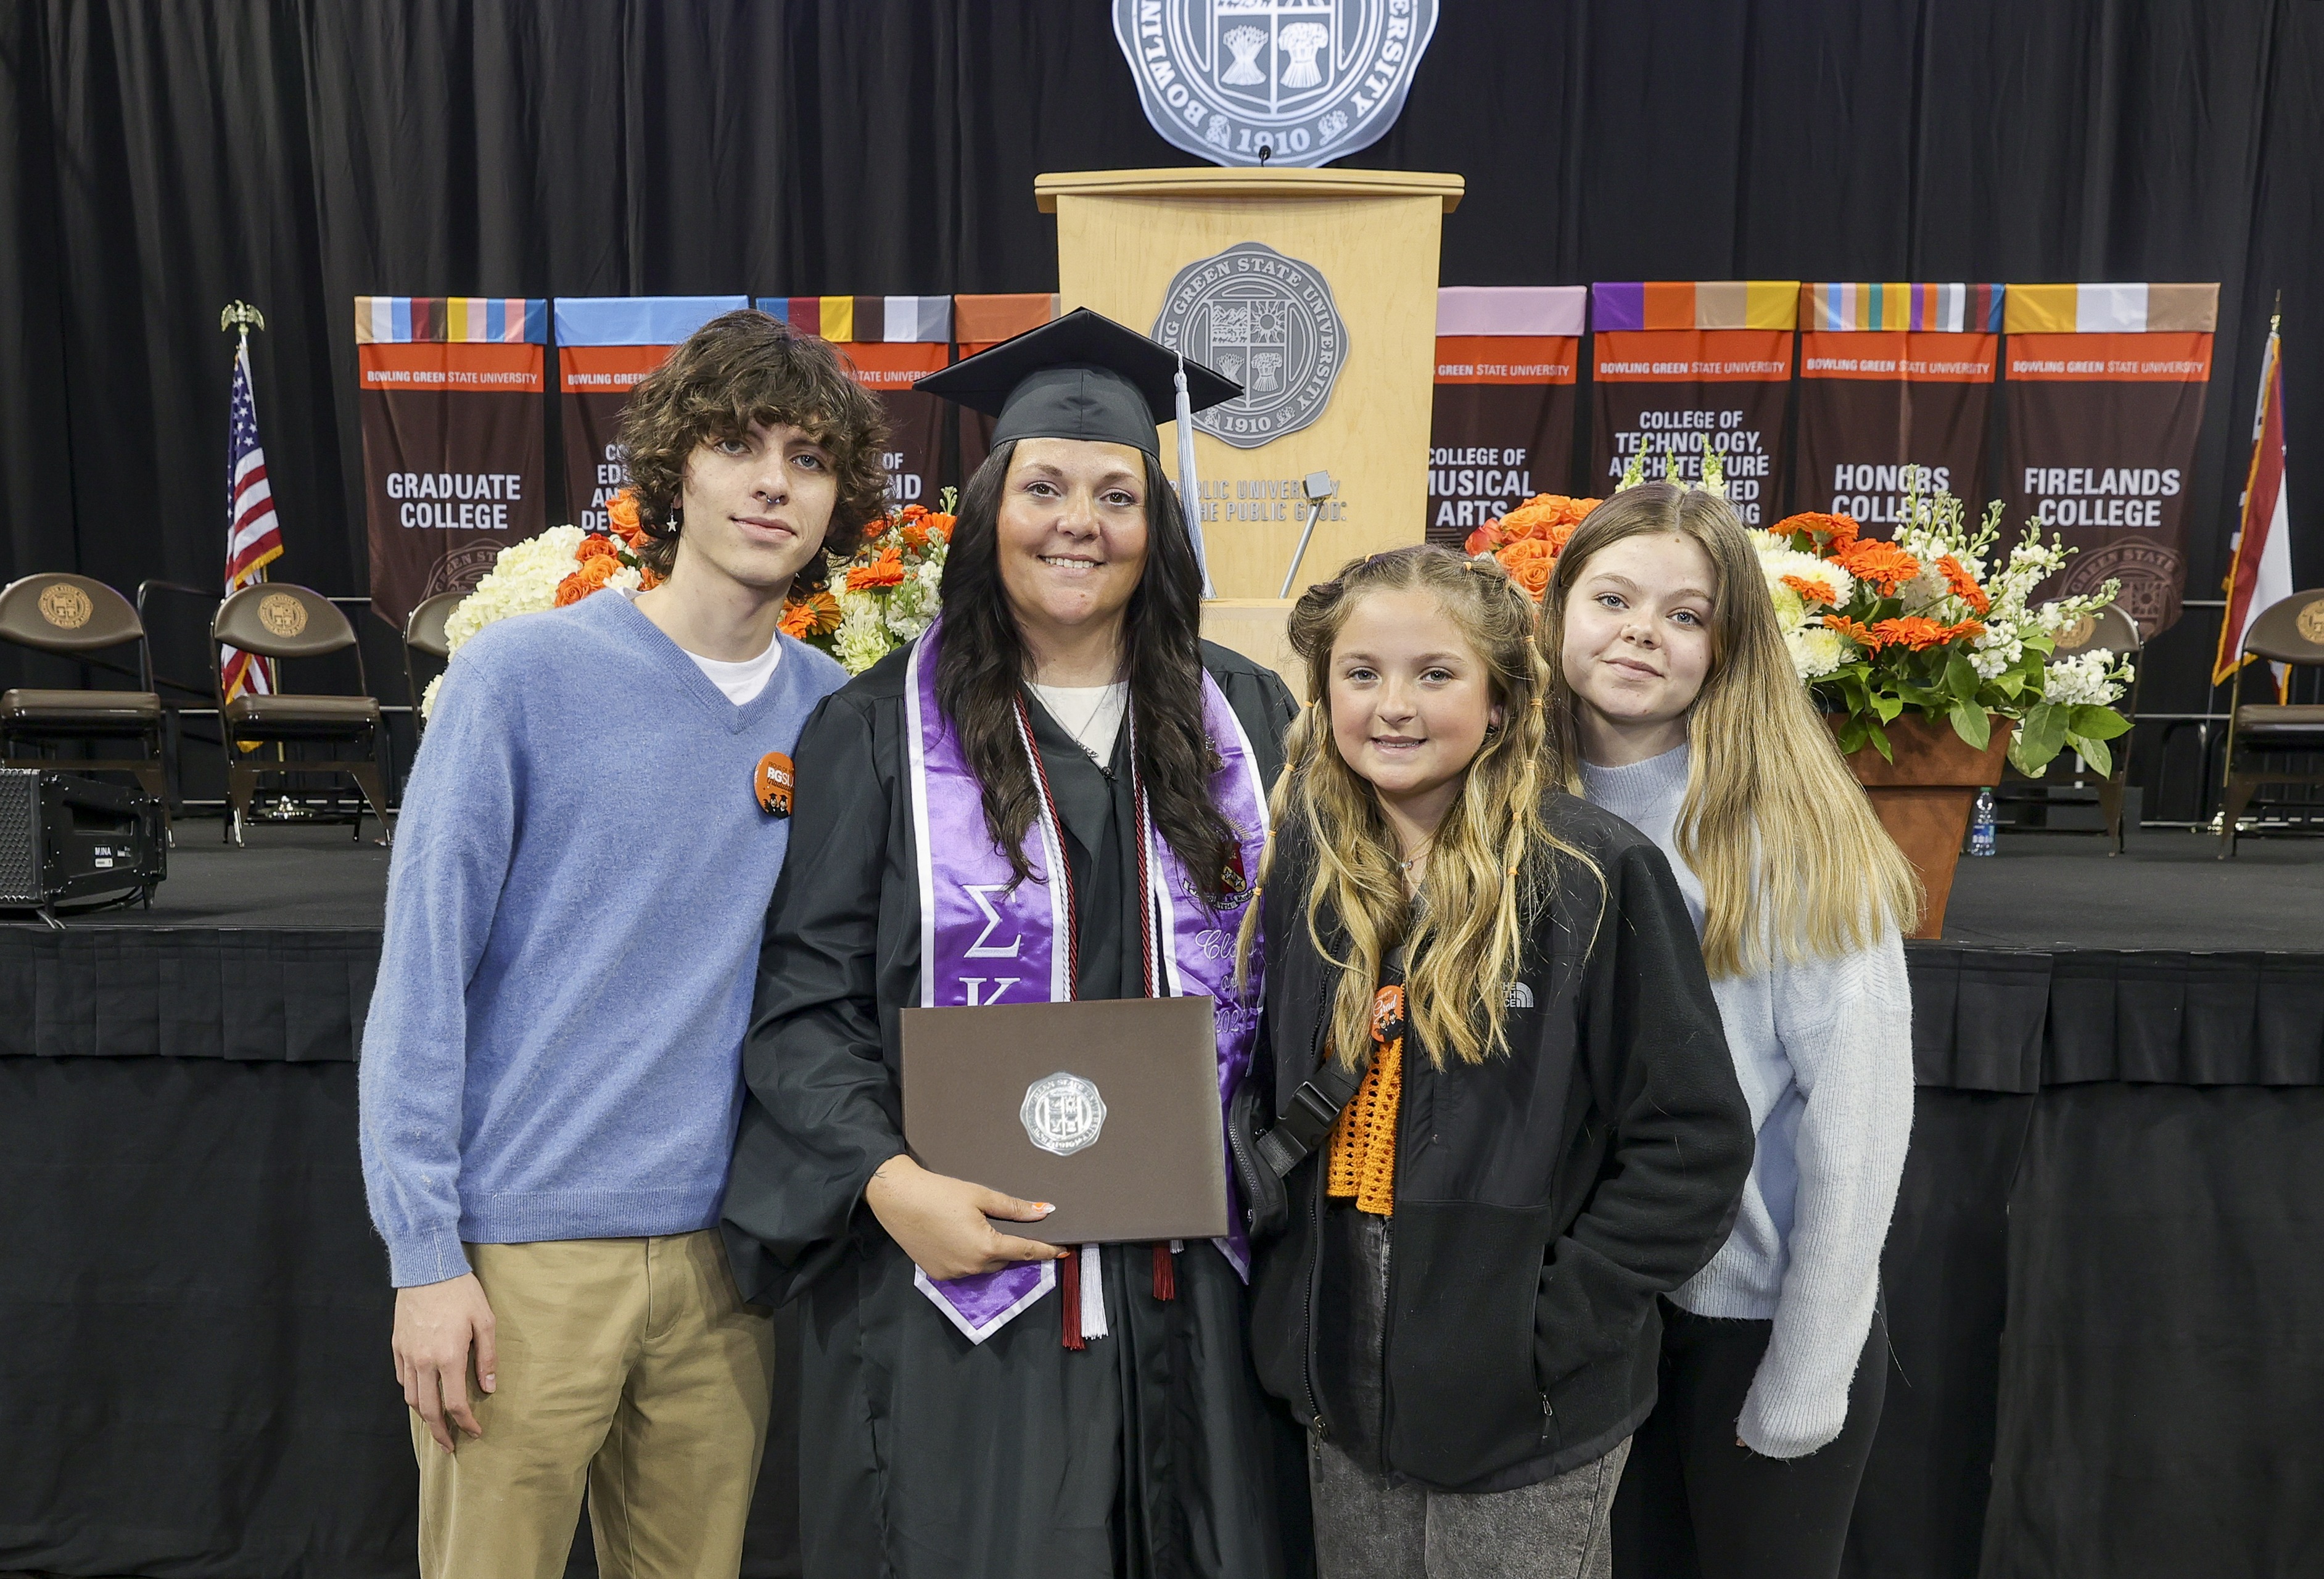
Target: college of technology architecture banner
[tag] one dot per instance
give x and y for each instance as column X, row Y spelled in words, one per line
column 1685, row 365
column 1501, row 429
column 605, row 345
column 979, row 323
column 1895, row 390
column 890, row 341
column 454, row 457
column 2106, row 393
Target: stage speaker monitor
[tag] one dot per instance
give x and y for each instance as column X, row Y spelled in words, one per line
column 64, row 839
column 1316, row 291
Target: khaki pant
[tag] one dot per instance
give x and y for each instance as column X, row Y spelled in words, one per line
column 632, row 1362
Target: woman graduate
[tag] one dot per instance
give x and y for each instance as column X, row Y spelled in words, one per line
column 1060, row 762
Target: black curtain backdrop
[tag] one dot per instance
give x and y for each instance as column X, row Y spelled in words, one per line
column 157, row 160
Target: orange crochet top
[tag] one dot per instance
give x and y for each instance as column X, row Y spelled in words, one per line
column 1361, row 1162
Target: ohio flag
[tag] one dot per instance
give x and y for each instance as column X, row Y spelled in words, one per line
column 254, row 538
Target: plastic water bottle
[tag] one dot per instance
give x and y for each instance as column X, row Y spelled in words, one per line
column 1980, row 824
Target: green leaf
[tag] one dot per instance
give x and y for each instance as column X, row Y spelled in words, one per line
column 2095, row 721
column 1960, row 678
column 2040, row 738
column 2095, row 753
column 1852, row 734
column 1880, row 742
column 1887, row 707
column 1972, row 723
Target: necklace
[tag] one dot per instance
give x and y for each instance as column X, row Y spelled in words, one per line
column 1406, row 864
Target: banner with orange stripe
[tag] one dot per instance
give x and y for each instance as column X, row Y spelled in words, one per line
column 606, row 344
column 1896, row 384
column 1679, row 367
column 2105, row 399
column 889, row 343
column 1501, row 429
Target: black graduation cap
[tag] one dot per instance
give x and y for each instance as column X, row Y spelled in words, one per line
column 1083, row 376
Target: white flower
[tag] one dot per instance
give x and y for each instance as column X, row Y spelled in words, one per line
column 1816, row 652
column 2089, row 679
column 862, row 637
column 523, row 580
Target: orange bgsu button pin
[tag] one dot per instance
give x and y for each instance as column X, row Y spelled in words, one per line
column 771, row 783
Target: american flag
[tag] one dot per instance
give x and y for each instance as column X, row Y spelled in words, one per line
column 254, row 538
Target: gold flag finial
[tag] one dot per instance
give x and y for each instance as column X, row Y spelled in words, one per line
column 241, row 315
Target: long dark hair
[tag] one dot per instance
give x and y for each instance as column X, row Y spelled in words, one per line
column 983, row 662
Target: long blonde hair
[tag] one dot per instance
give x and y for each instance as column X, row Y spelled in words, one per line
column 1489, row 868
column 1791, row 859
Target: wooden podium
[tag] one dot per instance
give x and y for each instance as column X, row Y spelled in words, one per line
column 1125, row 235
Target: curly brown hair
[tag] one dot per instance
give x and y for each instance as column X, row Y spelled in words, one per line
column 741, row 369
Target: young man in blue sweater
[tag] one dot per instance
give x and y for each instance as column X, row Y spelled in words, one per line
column 552, row 1067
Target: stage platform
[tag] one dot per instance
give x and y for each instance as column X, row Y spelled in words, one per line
column 2100, row 1278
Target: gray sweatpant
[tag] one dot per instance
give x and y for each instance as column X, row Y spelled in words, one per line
column 1366, row 1529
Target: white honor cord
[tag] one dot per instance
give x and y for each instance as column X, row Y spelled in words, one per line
column 1093, row 1294
column 1190, row 491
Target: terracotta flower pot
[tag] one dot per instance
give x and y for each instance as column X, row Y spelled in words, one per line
column 1924, row 797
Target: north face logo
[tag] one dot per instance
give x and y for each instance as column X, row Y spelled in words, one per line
column 1518, row 996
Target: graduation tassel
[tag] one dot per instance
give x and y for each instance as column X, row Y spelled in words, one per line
column 1069, row 1292
column 1166, row 1272
column 1190, row 489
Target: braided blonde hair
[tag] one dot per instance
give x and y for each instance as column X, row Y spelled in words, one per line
column 1491, row 865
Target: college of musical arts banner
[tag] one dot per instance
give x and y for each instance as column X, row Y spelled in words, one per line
column 1681, row 365
column 890, row 340
column 1502, row 426
column 1896, row 388
column 605, row 345
column 455, row 460
column 2106, row 393
column 979, row 323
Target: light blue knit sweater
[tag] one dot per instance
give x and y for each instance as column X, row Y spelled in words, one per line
column 581, row 873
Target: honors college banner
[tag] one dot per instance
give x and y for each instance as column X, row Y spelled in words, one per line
column 1895, row 390
column 1502, row 427
column 1682, row 366
column 2106, row 393
column 979, row 323
column 605, row 345
column 455, row 462
column 890, row 340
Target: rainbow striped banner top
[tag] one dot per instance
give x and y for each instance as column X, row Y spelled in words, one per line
column 637, row 321
column 866, row 320
column 1511, row 310
column 2112, row 309
column 395, row 320
column 1695, row 304
column 1853, row 304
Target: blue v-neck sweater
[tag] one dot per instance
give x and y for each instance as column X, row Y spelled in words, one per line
column 581, row 873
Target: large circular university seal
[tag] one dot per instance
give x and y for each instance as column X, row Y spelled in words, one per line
column 1063, row 1113
column 1267, row 321
column 1297, row 82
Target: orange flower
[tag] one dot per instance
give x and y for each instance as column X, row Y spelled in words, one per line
column 912, row 512
column 1485, row 539
column 593, row 575
column 887, row 570
column 915, row 535
column 1530, row 561
column 1921, row 634
column 1885, row 565
column 816, row 614
column 621, row 511
column 1549, row 516
column 939, row 526
column 1864, row 636
column 595, row 546
column 1964, row 585
column 1814, row 589
column 648, row 579
column 1839, row 531
column 1972, row 628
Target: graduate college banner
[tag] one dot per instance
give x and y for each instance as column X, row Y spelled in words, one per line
column 455, row 459
column 1896, row 388
column 1501, row 429
column 1680, row 367
column 2106, row 393
column 605, row 345
column 979, row 323
column 890, row 341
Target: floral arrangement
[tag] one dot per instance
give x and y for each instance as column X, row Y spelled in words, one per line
column 1529, row 538
column 1938, row 622
column 886, row 594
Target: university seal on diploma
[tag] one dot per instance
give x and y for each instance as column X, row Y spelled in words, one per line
column 1267, row 321
column 1063, row 1113
column 1306, row 81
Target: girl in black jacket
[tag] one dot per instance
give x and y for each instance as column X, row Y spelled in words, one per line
column 1547, row 1133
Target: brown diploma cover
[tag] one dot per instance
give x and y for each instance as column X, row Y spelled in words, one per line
column 1107, row 1108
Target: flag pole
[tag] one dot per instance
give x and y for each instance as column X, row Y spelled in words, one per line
column 240, row 316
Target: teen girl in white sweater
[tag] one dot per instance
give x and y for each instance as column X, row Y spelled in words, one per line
column 1681, row 705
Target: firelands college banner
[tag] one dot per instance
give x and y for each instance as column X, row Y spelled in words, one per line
column 2106, row 393
column 979, row 323
column 1896, row 388
column 454, row 462
column 1680, row 367
column 890, row 341
column 605, row 345
column 1502, row 428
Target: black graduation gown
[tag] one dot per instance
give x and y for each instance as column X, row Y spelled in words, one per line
column 1152, row 1451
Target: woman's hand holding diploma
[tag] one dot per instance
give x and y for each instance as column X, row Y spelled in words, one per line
column 941, row 1223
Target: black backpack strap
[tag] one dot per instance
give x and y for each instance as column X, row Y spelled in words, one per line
column 1315, row 1108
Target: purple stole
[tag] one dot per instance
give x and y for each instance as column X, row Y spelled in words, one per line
column 987, row 939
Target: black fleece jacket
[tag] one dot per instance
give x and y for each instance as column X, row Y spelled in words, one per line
column 1542, row 1198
